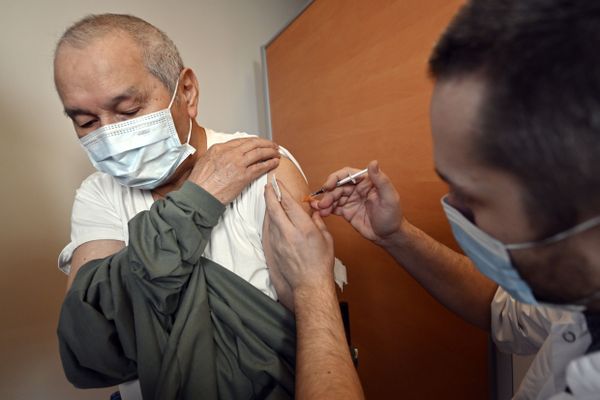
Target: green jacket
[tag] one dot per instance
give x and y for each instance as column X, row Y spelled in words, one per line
column 184, row 325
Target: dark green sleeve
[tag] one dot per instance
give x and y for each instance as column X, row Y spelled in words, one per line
column 135, row 294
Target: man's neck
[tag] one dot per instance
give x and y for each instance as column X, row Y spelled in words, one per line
column 198, row 141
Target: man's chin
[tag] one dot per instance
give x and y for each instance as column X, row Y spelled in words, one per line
column 591, row 303
column 553, row 298
column 593, row 307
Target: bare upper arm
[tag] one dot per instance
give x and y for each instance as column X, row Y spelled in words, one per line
column 92, row 250
column 293, row 180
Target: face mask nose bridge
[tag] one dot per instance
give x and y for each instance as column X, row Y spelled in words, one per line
column 115, row 122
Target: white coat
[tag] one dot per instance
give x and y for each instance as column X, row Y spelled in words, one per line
column 560, row 339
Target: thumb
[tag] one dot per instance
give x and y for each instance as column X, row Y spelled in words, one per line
column 316, row 217
column 382, row 183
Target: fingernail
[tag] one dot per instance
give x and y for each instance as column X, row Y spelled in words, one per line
column 376, row 168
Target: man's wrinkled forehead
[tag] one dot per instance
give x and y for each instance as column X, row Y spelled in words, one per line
column 103, row 65
column 107, row 53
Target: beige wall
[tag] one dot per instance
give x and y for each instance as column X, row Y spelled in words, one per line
column 42, row 164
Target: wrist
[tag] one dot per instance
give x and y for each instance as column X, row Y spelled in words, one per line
column 200, row 200
column 399, row 238
column 317, row 289
column 210, row 187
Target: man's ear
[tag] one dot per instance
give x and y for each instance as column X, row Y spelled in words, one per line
column 188, row 84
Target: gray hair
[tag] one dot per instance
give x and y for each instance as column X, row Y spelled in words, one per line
column 160, row 55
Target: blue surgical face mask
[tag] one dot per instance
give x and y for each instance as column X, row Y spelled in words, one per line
column 492, row 257
column 141, row 152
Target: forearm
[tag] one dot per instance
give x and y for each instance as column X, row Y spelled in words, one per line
column 450, row 277
column 324, row 368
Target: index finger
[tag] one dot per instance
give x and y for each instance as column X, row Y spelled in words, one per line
column 334, row 195
column 250, row 143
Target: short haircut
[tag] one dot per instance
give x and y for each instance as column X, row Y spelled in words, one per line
column 540, row 117
column 160, row 55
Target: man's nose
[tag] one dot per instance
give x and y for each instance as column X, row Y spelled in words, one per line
column 109, row 119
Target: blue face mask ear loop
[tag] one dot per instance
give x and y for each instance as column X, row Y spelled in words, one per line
column 189, row 135
column 174, row 94
column 579, row 228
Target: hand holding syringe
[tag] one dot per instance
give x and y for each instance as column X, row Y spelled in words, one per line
column 349, row 178
column 341, row 182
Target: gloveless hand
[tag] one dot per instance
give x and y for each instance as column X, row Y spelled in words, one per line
column 372, row 206
column 301, row 246
column 227, row 168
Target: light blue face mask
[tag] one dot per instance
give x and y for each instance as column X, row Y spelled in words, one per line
column 141, row 152
column 492, row 257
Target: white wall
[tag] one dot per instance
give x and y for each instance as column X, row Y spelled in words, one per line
column 42, row 164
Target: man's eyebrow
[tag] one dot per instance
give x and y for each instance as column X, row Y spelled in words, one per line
column 442, row 176
column 74, row 112
column 130, row 92
column 453, row 186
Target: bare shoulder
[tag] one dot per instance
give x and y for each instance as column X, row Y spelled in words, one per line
column 292, row 178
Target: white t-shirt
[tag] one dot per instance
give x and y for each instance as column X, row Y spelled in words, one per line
column 103, row 208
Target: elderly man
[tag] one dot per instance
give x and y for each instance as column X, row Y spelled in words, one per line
column 168, row 281
column 516, row 134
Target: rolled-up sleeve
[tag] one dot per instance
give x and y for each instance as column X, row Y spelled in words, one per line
column 136, row 292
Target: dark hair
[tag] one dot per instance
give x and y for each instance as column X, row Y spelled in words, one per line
column 540, row 118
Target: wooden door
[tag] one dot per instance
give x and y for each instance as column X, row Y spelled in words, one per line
column 348, row 83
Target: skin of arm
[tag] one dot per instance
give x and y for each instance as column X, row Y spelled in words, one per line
column 324, row 369
column 450, row 277
column 302, row 253
column 373, row 208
